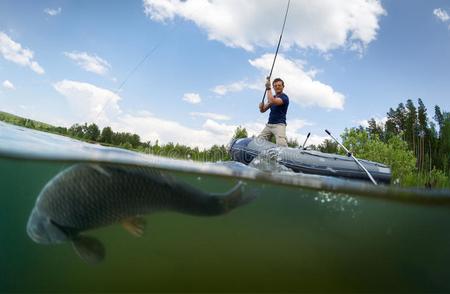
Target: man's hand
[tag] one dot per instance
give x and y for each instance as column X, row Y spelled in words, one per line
column 261, row 106
column 268, row 83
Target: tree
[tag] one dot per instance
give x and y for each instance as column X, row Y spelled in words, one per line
column 422, row 116
column 438, row 117
column 391, row 127
column 424, row 134
column 106, row 136
column 400, row 117
column 394, row 153
column 76, row 131
column 292, row 143
column 135, row 140
column 375, row 129
column 444, row 146
column 411, row 124
column 240, row 132
column 92, row 132
column 328, row 146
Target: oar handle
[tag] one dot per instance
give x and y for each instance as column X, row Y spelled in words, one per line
column 307, row 137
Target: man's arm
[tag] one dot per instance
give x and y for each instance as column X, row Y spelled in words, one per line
column 273, row 100
column 263, row 107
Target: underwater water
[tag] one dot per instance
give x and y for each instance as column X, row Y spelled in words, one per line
column 301, row 233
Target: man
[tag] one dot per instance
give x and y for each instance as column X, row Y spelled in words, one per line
column 278, row 105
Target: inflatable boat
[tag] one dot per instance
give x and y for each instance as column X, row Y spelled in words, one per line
column 308, row 161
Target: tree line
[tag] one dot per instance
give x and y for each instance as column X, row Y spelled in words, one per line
column 415, row 145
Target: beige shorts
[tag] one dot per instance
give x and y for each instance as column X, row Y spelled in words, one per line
column 277, row 130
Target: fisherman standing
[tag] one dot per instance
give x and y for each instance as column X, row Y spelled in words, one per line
column 278, row 105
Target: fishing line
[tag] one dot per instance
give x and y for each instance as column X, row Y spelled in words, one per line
column 278, row 46
column 142, row 61
column 138, row 65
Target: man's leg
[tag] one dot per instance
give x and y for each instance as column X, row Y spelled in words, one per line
column 279, row 131
column 266, row 133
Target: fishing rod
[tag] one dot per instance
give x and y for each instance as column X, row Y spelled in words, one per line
column 307, row 137
column 278, row 47
column 349, row 154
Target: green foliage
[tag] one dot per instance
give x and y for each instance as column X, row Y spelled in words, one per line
column 328, row 146
column 92, row 132
column 416, row 149
column 434, row 179
column 293, row 143
column 29, row 123
column 126, row 140
column 240, row 132
column 76, row 131
column 394, row 153
column 444, row 143
column 106, row 135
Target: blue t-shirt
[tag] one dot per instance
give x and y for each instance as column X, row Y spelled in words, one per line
column 278, row 113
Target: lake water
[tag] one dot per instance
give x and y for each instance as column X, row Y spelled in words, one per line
column 301, row 234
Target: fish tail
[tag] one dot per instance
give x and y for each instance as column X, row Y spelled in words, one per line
column 236, row 197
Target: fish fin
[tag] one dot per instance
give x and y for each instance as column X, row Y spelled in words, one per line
column 89, row 249
column 100, row 169
column 236, row 197
column 134, row 225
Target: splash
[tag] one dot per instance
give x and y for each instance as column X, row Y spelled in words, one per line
column 269, row 161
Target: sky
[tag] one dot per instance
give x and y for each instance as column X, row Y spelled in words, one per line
column 191, row 71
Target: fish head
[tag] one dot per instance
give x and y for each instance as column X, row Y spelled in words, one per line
column 41, row 229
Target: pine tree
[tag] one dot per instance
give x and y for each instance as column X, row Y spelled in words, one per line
column 374, row 129
column 400, row 119
column 240, row 132
column 391, row 128
column 411, row 125
column 424, row 133
column 438, row 117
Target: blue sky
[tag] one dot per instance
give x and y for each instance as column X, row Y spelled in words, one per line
column 343, row 62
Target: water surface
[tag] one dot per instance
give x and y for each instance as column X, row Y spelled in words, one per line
column 302, row 233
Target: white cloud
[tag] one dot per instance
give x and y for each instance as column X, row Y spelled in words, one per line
column 89, row 102
column 210, row 115
column 53, row 12
column 319, row 24
column 14, row 52
column 300, row 84
column 220, row 129
column 91, row 63
column 233, row 87
column 152, row 128
column 365, row 122
column 441, row 14
column 192, row 98
column 8, row 85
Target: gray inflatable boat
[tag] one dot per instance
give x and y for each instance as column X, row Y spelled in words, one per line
column 309, row 162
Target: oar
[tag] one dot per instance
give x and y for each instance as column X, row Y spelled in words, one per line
column 307, row 137
column 349, row 154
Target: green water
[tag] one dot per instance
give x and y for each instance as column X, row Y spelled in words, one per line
column 287, row 240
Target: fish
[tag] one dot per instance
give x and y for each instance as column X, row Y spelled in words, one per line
column 87, row 196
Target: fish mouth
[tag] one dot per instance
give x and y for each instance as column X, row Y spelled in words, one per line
column 42, row 230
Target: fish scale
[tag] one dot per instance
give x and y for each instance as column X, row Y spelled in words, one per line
column 110, row 194
column 88, row 196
